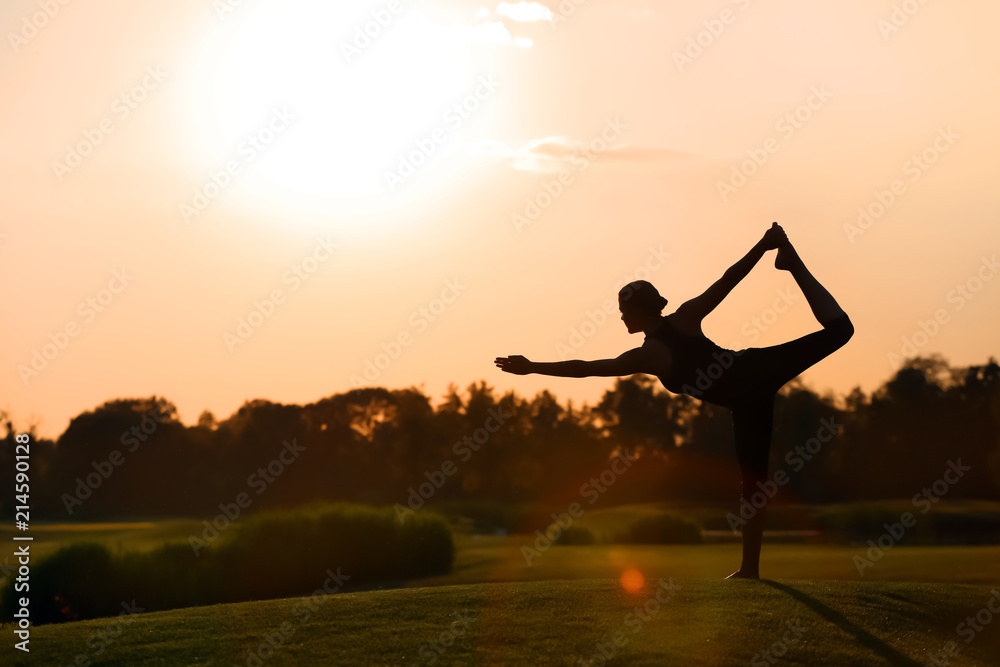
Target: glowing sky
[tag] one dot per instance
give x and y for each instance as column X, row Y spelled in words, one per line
column 220, row 201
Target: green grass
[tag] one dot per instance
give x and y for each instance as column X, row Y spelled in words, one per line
column 606, row 522
column 558, row 609
column 488, row 558
column 707, row 622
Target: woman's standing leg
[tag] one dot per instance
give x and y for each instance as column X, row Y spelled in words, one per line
column 752, row 425
column 762, row 373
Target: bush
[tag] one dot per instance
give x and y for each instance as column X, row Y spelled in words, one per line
column 486, row 517
column 278, row 554
column 856, row 522
column 859, row 522
column 67, row 586
column 367, row 544
column 661, row 529
column 575, row 535
column 959, row 528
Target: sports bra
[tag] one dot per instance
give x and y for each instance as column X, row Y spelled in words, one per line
column 699, row 366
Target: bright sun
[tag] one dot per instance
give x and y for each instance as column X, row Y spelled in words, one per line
column 327, row 124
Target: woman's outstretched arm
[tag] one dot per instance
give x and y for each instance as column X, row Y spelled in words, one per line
column 699, row 307
column 634, row 361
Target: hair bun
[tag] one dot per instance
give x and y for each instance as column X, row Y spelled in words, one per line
column 641, row 294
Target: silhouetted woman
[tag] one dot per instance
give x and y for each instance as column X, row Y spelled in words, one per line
column 686, row 362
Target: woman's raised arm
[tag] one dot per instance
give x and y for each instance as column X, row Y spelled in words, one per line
column 695, row 310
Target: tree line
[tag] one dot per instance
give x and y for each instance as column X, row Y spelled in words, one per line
column 131, row 458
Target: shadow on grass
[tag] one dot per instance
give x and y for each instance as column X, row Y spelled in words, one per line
column 861, row 635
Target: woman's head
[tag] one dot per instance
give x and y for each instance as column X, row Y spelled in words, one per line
column 640, row 304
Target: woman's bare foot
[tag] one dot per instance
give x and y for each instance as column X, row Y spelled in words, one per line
column 787, row 258
column 738, row 574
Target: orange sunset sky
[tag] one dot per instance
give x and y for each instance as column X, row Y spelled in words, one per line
column 221, row 201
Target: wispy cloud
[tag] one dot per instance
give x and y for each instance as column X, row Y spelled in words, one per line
column 555, row 153
column 490, row 27
column 493, row 26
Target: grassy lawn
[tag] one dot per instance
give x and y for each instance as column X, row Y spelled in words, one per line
column 567, row 605
column 701, row 622
column 481, row 559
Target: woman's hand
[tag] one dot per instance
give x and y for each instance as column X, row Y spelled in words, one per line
column 515, row 364
column 774, row 237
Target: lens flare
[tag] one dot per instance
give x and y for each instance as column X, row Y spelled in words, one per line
column 633, row 581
